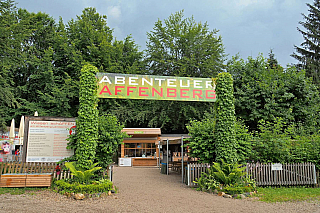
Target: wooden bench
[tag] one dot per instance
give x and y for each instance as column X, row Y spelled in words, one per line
column 26, row 180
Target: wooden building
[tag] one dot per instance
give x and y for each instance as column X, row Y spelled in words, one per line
column 141, row 148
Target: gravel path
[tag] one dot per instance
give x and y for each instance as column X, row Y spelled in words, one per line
column 146, row 190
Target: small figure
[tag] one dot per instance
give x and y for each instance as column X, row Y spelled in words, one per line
column 17, row 152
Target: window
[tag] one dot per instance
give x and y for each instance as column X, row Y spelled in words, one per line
column 139, row 149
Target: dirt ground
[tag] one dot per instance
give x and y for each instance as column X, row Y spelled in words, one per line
column 146, row 190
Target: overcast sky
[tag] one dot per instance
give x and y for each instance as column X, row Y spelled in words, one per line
column 247, row 27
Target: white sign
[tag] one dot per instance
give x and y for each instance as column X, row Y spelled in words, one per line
column 47, row 140
column 124, row 161
column 276, row 167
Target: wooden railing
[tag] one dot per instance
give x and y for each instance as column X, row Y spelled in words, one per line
column 290, row 174
column 264, row 175
column 194, row 171
column 20, row 167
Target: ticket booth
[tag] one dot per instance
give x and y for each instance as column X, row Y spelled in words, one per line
column 141, row 149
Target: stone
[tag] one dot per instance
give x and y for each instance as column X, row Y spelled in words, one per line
column 247, row 194
column 221, row 193
column 115, row 197
column 109, row 193
column 227, row 196
column 79, row 196
column 215, row 191
column 113, row 191
column 210, row 190
column 235, row 196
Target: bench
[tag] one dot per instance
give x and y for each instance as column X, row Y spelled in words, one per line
column 26, row 180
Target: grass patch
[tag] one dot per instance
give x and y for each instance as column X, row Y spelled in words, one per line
column 18, row 191
column 283, row 194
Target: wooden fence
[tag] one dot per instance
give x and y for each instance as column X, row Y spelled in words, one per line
column 265, row 174
column 194, row 171
column 20, row 167
column 289, row 174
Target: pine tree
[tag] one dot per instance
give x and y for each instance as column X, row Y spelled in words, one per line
column 308, row 54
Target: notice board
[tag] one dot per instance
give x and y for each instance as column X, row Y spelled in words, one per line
column 47, row 139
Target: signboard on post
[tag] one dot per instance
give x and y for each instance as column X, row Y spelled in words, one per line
column 276, row 167
column 129, row 86
column 47, row 140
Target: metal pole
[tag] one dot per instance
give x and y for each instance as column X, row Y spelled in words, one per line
column 182, row 157
column 159, row 155
column 167, row 156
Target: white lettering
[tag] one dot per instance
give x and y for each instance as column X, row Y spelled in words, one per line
column 208, row 84
column 132, row 80
column 170, row 83
column 196, row 84
column 159, row 79
column 119, row 80
column 188, row 83
column 105, row 79
column 148, row 82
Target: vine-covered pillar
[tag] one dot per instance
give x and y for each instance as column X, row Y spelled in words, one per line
column 225, row 120
column 87, row 121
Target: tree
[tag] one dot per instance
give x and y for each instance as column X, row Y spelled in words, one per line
column 308, row 54
column 110, row 137
column 202, row 139
column 265, row 93
column 8, row 18
column 183, row 47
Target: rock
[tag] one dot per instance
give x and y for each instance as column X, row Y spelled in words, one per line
column 221, row 193
column 242, row 196
column 115, row 197
column 247, row 194
column 215, row 191
column 227, row 196
column 109, row 193
column 235, row 196
column 79, row 196
column 113, row 191
column 210, row 190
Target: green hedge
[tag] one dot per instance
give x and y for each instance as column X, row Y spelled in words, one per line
column 62, row 186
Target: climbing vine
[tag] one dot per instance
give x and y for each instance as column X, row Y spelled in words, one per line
column 225, row 120
column 87, row 121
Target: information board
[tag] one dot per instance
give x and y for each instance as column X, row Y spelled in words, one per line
column 47, row 140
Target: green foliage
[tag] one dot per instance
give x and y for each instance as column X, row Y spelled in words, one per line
column 272, row 143
column 83, row 176
column 226, row 173
column 110, row 137
column 265, row 92
column 243, row 142
column 63, row 186
column 183, row 47
column 86, row 138
column 279, row 142
column 225, row 119
column 308, row 52
column 236, row 189
column 202, row 141
column 207, row 182
column 282, row 194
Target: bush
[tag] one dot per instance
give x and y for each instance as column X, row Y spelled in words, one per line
column 237, row 189
column 63, row 186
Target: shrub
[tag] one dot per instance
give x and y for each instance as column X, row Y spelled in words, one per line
column 63, row 186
